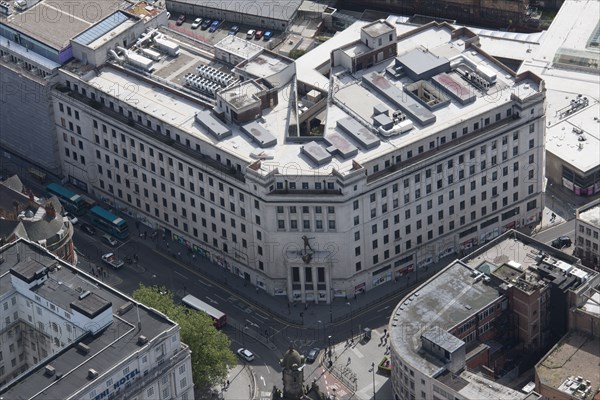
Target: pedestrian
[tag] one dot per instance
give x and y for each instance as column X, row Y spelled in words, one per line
column 349, row 360
column 193, row 256
column 384, row 332
column 227, row 382
column 257, row 290
column 167, row 245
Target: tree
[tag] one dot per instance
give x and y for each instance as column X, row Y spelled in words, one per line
column 211, row 357
column 295, row 54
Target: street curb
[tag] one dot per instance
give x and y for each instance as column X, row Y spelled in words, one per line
column 252, row 382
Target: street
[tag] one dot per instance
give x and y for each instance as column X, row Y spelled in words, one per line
column 264, row 324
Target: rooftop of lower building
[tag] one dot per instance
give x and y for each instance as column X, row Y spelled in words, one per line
column 568, row 59
column 519, row 260
column 590, row 213
column 54, row 23
column 570, row 367
column 72, row 289
column 447, row 299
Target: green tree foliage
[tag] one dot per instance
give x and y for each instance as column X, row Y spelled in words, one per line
column 295, row 54
column 211, row 357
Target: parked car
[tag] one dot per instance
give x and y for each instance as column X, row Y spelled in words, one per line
column 109, row 240
column 258, row 34
column 245, row 354
column 87, row 228
column 214, row 25
column 205, row 24
column 180, row 20
column 562, row 241
column 73, row 219
column 268, row 35
column 311, row 356
column 250, row 34
column 197, row 22
column 234, row 29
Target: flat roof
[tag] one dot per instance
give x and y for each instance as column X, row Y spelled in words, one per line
column 240, row 47
column 353, row 99
column 473, row 386
column 101, row 28
column 566, row 360
column 445, row 300
column 264, row 64
column 570, row 31
column 55, row 22
column 378, row 28
column 108, row 348
column 242, row 94
column 280, row 10
column 590, row 213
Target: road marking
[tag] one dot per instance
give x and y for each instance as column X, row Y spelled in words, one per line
column 262, row 316
column 217, row 296
column 252, row 323
column 204, row 283
column 181, row 275
column 268, row 370
column 211, row 300
column 383, row 309
column 263, row 380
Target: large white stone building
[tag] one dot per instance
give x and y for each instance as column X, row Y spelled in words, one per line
column 371, row 156
column 377, row 153
column 65, row 335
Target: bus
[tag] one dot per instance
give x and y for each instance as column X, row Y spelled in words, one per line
column 109, row 222
column 73, row 203
column 219, row 318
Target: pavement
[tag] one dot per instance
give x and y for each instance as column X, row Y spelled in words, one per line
column 354, row 368
column 306, row 315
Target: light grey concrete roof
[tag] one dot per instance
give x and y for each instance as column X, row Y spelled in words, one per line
column 447, row 299
column 590, row 213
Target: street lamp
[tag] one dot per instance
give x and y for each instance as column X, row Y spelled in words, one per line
column 373, row 370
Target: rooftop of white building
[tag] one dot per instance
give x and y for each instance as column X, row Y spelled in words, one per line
column 354, row 98
column 68, row 288
column 590, row 213
column 568, row 59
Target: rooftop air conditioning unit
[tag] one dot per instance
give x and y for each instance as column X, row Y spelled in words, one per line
column 142, row 340
column 92, row 373
column 49, row 370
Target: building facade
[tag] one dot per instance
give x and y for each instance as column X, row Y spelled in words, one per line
column 286, row 212
column 503, row 303
column 587, row 229
column 66, row 335
column 22, row 215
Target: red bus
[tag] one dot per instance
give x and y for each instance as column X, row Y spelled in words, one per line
column 219, row 318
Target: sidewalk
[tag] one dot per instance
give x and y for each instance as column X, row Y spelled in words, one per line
column 549, row 220
column 241, row 384
column 299, row 314
column 356, row 367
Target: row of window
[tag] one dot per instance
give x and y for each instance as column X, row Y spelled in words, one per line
column 433, row 144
